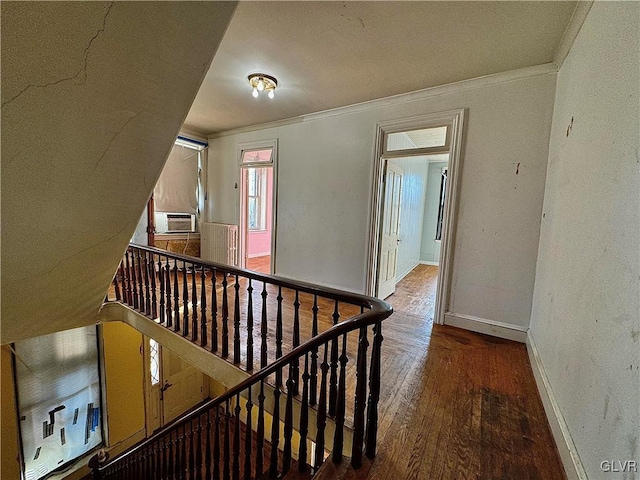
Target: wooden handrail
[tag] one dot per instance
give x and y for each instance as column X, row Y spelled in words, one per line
column 137, row 288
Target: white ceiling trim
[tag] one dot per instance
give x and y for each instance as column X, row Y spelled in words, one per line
column 571, row 32
column 494, row 79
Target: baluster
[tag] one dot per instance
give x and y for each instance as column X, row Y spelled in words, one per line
column 142, row 300
column 134, row 280
column 116, row 285
column 183, row 454
column 178, row 464
column 333, row 377
column 321, row 419
column 130, row 295
column 198, row 475
column 194, row 305
column 185, row 301
column 279, row 329
column 225, row 318
column 275, row 427
column 338, row 438
column 161, row 279
column 250, row 327
column 147, row 284
column 314, row 354
column 288, row 424
column 203, row 308
column 173, row 459
column 236, row 440
column 164, row 471
column 236, row 323
column 167, row 283
column 304, row 417
column 207, row 448
column 192, row 453
column 260, row 432
column 214, row 312
column 176, row 297
column 227, row 438
column 154, row 298
column 295, row 365
column 360, row 399
column 374, row 393
column 263, row 327
column 248, row 439
column 216, row 446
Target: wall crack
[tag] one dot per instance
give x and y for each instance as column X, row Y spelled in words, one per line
column 82, row 72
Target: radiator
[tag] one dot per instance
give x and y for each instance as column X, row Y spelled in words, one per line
column 219, row 243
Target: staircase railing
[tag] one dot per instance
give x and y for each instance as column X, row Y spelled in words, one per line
column 305, row 343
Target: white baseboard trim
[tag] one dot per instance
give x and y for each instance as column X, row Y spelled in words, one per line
column 256, row 255
column 566, row 448
column 424, row 262
column 488, row 327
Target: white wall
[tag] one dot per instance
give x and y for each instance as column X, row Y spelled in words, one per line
column 324, row 190
column 430, row 247
column 412, row 201
column 93, row 95
column 585, row 320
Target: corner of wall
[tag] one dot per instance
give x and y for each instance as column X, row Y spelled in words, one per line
column 564, row 442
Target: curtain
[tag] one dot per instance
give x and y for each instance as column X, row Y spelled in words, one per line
column 177, row 187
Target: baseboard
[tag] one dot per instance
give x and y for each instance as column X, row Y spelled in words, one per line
column 256, row 255
column 424, row 262
column 488, row 327
column 566, row 448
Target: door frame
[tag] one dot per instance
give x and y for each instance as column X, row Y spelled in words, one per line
column 454, row 119
column 241, row 207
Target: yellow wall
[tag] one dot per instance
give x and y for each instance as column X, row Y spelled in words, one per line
column 9, row 462
column 124, row 370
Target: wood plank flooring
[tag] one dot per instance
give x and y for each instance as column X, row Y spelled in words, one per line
column 454, row 404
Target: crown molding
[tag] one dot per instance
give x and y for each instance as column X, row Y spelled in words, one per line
column 571, row 32
column 478, row 82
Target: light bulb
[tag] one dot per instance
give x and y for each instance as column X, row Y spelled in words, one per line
column 271, row 94
column 260, row 85
column 255, row 92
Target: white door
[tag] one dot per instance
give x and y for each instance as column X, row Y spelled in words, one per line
column 182, row 386
column 390, row 229
column 173, row 386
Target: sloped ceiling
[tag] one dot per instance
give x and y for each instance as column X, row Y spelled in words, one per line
column 93, row 95
column 331, row 54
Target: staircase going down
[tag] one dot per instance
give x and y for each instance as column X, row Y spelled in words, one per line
column 313, row 355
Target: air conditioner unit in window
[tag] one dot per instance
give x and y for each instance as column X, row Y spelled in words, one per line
column 175, row 222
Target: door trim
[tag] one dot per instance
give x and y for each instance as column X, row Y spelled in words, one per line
column 455, row 120
column 240, row 203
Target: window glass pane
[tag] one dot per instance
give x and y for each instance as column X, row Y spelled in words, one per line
column 253, row 191
column 251, row 156
column 154, row 361
column 59, row 396
column 253, row 213
column 423, row 138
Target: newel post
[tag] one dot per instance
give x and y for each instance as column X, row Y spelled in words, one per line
column 96, row 462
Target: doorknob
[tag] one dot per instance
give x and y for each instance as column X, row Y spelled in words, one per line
column 165, row 386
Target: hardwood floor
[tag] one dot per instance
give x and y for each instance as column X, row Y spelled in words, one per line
column 259, row 264
column 454, row 404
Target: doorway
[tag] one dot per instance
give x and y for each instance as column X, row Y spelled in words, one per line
column 258, row 206
column 172, row 386
column 401, row 145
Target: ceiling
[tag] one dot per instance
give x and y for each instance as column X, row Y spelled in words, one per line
column 331, row 54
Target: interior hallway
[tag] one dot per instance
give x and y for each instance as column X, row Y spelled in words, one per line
column 455, row 404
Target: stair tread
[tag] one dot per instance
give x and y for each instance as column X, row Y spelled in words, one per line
column 343, row 470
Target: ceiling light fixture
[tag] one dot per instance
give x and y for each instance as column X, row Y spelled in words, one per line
column 261, row 82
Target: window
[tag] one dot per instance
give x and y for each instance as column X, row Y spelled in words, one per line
column 59, row 399
column 257, row 156
column 256, row 198
column 443, row 193
column 180, row 190
column 423, row 138
column 154, row 361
